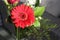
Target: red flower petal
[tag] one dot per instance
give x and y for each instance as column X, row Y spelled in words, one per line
column 22, row 16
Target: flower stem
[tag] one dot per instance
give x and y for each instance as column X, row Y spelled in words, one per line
column 37, row 3
column 17, row 35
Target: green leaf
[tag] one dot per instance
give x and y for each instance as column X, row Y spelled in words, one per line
column 39, row 11
column 37, row 23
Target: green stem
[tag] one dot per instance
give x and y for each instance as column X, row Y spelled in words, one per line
column 17, row 35
column 37, row 3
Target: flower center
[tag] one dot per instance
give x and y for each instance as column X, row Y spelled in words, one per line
column 23, row 16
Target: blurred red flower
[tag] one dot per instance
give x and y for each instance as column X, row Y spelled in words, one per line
column 22, row 16
column 12, row 1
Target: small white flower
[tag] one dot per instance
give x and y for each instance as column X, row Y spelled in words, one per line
column 40, row 17
column 31, row 2
column 36, row 18
column 40, row 1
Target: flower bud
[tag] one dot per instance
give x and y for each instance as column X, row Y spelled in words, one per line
column 12, row 1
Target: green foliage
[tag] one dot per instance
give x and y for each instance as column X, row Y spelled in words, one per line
column 47, row 24
column 39, row 11
column 38, row 33
column 36, row 23
column 28, row 32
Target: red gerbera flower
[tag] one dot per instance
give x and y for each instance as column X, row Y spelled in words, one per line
column 12, row 1
column 22, row 16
